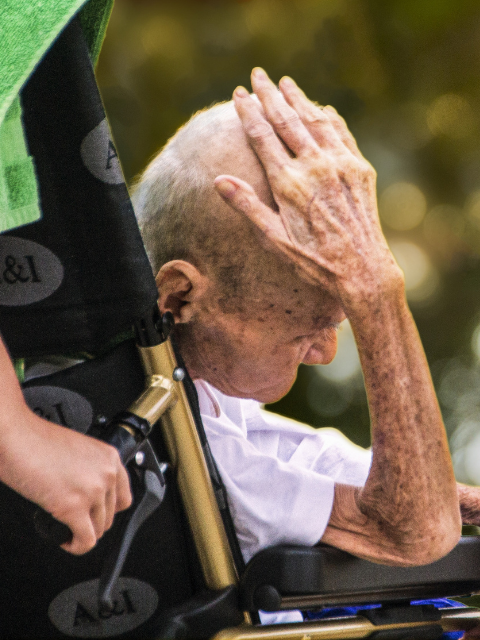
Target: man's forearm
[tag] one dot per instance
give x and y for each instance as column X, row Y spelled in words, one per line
column 411, row 485
column 407, row 513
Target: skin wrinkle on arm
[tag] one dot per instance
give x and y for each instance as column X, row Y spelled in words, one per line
column 407, row 513
column 397, row 509
column 405, row 483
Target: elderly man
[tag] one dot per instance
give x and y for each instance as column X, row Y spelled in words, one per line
column 260, row 218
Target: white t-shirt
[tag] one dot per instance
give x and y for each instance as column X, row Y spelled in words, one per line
column 279, row 474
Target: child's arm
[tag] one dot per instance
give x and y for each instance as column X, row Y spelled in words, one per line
column 79, row 480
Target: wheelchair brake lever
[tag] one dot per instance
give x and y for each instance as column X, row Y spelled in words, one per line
column 155, row 486
column 126, row 433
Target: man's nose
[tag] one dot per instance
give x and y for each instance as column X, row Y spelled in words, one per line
column 322, row 351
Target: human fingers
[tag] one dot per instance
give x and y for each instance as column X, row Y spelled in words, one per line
column 342, row 130
column 284, row 119
column 123, row 492
column 242, row 197
column 312, row 116
column 84, row 537
column 367, row 192
column 272, row 231
column 260, row 134
column 98, row 516
column 110, row 508
column 117, row 497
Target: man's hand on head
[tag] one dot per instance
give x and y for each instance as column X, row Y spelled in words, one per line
column 327, row 222
column 327, row 226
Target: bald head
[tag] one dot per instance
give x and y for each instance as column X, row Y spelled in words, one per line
column 244, row 320
column 181, row 215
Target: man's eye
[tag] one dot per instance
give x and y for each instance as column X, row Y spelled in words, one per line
column 304, row 336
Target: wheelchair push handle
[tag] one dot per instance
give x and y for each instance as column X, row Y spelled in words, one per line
column 126, row 432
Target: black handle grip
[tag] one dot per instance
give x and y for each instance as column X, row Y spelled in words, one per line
column 58, row 533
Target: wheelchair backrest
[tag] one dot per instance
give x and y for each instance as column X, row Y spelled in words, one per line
column 69, row 283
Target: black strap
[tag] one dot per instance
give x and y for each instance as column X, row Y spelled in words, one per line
column 218, row 486
column 80, row 275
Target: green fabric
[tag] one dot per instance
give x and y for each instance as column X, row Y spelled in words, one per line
column 18, row 185
column 94, row 18
column 27, row 29
column 19, row 366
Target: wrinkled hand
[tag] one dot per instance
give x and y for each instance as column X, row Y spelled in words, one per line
column 327, row 222
column 79, row 480
column 469, row 499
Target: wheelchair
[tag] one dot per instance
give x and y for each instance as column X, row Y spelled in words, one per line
column 78, row 282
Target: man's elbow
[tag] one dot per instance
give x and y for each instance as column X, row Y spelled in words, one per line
column 429, row 545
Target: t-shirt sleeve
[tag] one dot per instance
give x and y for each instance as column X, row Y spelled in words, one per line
column 272, row 501
column 325, row 450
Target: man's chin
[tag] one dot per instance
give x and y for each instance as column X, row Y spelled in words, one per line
column 274, row 393
column 266, row 394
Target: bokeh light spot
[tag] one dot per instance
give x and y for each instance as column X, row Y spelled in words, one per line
column 402, row 206
column 413, row 262
column 346, row 363
column 421, row 279
column 472, row 207
column 410, row 130
column 451, row 115
column 465, row 448
column 472, row 459
column 454, row 381
column 166, row 37
column 328, row 399
column 475, row 341
column 443, row 227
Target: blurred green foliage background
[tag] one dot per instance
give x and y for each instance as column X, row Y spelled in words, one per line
column 406, row 76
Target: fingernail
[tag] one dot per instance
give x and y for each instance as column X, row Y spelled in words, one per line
column 225, row 188
column 288, row 82
column 241, row 92
column 259, row 73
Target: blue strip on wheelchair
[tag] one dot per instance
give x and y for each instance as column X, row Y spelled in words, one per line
column 337, row 612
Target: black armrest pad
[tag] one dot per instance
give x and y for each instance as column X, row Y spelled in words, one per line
column 287, row 577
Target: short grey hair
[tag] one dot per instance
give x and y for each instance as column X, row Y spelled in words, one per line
column 177, row 210
column 174, row 193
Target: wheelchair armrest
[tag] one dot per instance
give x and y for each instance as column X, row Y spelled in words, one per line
column 293, row 577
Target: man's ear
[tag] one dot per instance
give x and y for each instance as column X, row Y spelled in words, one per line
column 181, row 287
